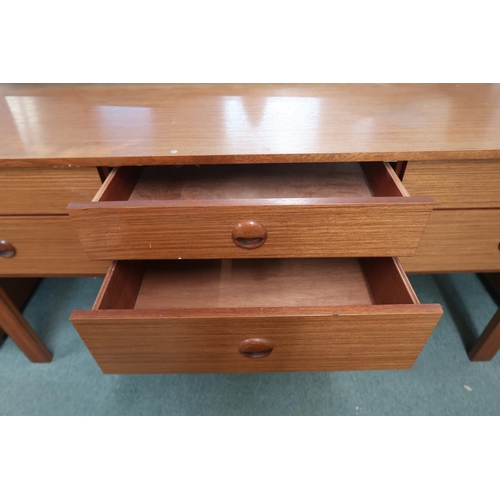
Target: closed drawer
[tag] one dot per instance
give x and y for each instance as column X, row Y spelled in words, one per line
column 458, row 241
column 26, row 191
column 251, row 211
column 256, row 315
column 43, row 246
column 456, row 184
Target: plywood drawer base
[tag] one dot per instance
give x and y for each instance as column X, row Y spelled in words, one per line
column 45, row 246
column 458, row 241
column 256, row 316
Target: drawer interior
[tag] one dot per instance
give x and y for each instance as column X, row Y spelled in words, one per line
column 254, row 283
column 269, row 181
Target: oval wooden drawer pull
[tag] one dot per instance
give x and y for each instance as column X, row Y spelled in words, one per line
column 249, row 234
column 7, row 249
column 255, row 348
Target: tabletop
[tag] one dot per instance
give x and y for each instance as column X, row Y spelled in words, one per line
column 113, row 125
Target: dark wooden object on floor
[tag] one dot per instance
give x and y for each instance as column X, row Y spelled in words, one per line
column 488, row 344
column 19, row 291
column 13, row 294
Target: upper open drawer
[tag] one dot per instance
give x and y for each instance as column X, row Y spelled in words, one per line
column 242, row 211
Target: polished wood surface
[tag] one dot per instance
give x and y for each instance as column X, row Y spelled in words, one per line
column 38, row 191
column 249, row 234
column 179, row 336
column 338, row 226
column 7, row 249
column 458, row 241
column 45, row 246
column 452, row 184
column 255, row 348
column 349, row 338
column 21, row 333
column 114, row 125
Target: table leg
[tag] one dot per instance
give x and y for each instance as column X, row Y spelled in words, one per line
column 18, row 329
column 487, row 345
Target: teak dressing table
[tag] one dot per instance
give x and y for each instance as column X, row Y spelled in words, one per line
column 249, row 227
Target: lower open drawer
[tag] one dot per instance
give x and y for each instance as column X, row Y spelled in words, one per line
column 256, row 316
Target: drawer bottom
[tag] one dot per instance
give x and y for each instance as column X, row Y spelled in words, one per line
column 256, row 316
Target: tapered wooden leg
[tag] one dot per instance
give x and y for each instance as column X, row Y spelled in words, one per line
column 488, row 343
column 17, row 328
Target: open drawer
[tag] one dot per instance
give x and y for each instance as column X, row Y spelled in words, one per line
column 251, row 211
column 256, row 315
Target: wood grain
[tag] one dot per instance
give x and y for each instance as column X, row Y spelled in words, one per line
column 45, row 190
column 45, row 246
column 349, row 338
column 181, row 217
column 325, row 228
column 458, row 241
column 118, row 125
column 454, row 184
column 186, row 318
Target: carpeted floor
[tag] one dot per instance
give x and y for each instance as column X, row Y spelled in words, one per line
column 442, row 382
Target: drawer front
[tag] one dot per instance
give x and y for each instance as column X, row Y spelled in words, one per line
column 196, row 213
column 26, row 191
column 455, row 184
column 378, row 337
column 458, row 241
column 43, row 246
column 256, row 316
column 322, row 230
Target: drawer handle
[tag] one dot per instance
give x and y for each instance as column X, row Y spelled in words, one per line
column 7, row 249
column 255, row 348
column 249, row 234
